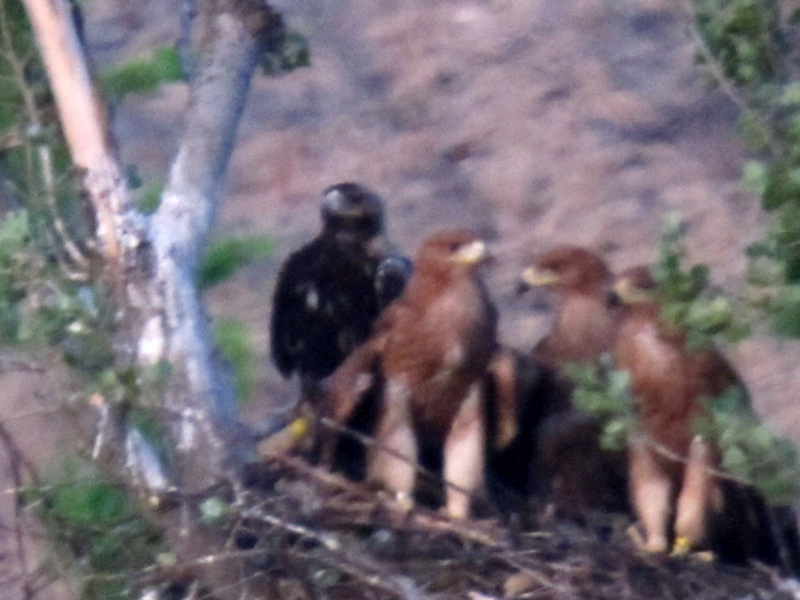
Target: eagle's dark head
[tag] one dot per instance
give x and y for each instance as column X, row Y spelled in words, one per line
column 351, row 212
column 567, row 268
column 391, row 277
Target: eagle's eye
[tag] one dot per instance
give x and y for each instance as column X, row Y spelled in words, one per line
column 454, row 246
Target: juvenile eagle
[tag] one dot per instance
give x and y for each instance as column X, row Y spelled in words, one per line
column 679, row 498
column 583, row 327
column 569, row 463
column 327, row 296
column 431, row 348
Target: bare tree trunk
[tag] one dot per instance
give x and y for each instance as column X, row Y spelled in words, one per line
column 84, row 123
column 236, row 33
column 152, row 269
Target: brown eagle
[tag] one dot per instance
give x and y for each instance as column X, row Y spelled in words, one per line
column 569, row 464
column 676, row 489
column 583, row 327
column 327, row 296
column 669, row 380
column 430, row 350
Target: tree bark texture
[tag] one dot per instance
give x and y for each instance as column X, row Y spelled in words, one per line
column 152, row 264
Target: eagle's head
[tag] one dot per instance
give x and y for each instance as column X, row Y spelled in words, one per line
column 352, row 212
column 453, row 250
column 566, row 268
column 634, row 286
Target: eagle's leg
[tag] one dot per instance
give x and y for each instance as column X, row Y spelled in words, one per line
column 695, row 498
column 651, row 495
column 392, row 462
column 464, row 454
column 503, row 372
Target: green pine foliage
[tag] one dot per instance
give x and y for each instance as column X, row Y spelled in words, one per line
column 750, row 51
column 52, row 296
column 93, row 519
column 16, row 36
column 227, row 255
column 604, row 393
column 34, row 162
column 235, row 342
column 142, row 75
column 750, row 451
column 293, row 53
column 19, row 265
column 743, row 36
column 688, row 300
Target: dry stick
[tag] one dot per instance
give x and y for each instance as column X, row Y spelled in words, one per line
column 15, row 460
column 83, row 120
column 357, row 564
column 667, row 453
column 362, row 566
column 648, row 440
column 372, row 442
column 433, row 522
column 724, row 83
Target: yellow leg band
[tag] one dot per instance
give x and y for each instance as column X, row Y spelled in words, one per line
column 682, row 546
column 299, row 428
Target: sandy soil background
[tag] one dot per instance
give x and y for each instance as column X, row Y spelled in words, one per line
column 536, row 122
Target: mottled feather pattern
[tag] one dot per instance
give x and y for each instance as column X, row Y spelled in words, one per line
column 327, row 295
column 316, row 337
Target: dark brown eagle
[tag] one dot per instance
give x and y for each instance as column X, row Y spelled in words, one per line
column 569, row 465
column 679, row 498
column 515, row 387
column 327, row 296
column 430, row 350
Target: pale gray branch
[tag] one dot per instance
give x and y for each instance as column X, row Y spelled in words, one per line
column 233, row 40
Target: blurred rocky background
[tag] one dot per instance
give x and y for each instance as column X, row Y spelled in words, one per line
column 536, row 122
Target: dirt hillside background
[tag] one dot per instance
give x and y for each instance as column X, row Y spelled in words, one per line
column 536, row 122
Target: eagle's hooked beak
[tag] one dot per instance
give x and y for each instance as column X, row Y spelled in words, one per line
column 473, row 253
column 625, row 292
column 534, row 277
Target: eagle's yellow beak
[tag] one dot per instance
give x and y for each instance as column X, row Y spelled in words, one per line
column 472, row 253
column 534, row 277
column 628, row 293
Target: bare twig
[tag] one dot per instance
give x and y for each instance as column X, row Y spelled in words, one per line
column 424, row 520
column 17, row 462
column 370, row 441
column 714, row 67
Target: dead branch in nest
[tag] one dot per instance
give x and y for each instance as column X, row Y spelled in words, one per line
column 367, row 543
column 363, row 506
